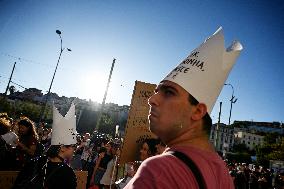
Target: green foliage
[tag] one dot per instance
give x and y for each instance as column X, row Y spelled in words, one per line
column 17, row 108
column 270, row 138
column 5, row 106
column 239, row 157
column 240, row 148
column 12, row 89
column 273, row 149
column 241, row 153
column 106, row 124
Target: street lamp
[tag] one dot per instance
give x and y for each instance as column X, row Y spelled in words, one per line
column 233, row 101
column 48, row 93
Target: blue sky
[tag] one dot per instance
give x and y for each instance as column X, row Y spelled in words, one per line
column 148, row 39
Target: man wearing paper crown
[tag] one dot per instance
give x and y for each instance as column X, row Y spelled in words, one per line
column 179, row 115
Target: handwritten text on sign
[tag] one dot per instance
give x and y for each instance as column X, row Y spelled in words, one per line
column 137, row 127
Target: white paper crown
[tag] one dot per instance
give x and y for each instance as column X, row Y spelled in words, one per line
column 204, row 72
column 64, row 128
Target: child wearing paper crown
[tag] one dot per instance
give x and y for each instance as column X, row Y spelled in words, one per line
column 63, row 144
column 63, row 175
column 52, row 171
column 179, row 116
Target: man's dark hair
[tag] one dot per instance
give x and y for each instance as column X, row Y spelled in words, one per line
column 207, row 121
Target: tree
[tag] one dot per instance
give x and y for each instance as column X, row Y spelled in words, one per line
column 106, row 124
column 240, row 148
column 238, row 157
column 273, row 149
column 270, row 138
column 12, row 89
column 240, row 153
column 16, row 108
column 6, row 106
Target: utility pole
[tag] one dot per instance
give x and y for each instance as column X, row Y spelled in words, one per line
column 10, row 79
column 217, row 128
column 105, row 95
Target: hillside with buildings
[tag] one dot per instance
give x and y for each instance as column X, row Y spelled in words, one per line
column 30, row 102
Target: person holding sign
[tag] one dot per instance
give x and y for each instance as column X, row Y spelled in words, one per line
column 179, row 116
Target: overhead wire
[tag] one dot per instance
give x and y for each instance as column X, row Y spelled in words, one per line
column 24, row 60
column 35, row 62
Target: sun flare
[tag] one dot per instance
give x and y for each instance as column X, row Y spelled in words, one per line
column 93, row 86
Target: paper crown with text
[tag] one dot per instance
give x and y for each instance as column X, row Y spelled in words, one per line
column 204, row 72
column 64, row 128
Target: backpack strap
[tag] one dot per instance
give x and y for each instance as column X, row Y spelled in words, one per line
column 192, row 166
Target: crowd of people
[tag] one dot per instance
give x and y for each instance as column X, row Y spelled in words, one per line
column 97, row 153
column 250, row 176
column 21, row 141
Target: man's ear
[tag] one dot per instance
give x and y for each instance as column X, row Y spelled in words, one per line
column 199, row 111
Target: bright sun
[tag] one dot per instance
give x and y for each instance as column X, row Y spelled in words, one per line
column 93, row 86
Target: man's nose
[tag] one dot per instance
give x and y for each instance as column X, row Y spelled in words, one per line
column 153, row 100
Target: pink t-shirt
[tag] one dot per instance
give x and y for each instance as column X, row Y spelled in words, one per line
column 166, row 171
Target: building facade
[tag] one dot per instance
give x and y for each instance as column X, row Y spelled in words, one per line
column 222, row 137
column 251, row 140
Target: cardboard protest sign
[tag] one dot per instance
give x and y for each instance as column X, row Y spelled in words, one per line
column 137, row 127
